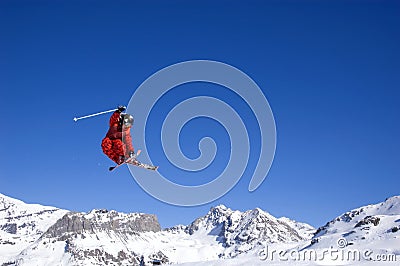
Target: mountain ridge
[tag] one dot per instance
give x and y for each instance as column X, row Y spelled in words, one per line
column 28, row 232
column 224, row 233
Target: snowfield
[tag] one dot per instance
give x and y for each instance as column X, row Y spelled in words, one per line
column 38, row 235
column 22, row 224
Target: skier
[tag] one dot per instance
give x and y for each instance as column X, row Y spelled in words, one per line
column 117, row 144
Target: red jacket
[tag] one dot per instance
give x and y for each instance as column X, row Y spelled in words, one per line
column 117, row 131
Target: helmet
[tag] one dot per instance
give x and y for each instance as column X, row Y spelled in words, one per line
column 127, row 120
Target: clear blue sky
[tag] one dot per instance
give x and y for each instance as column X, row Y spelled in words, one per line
column 329, row 69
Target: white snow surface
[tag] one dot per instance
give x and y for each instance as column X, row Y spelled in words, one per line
column 22, row 224
column 370, row 234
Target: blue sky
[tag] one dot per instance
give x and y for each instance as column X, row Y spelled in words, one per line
column 329, row 69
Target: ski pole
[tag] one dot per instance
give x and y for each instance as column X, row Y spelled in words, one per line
column 87, row 116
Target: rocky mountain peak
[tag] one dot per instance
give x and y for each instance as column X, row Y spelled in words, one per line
column 241, row 231
column 74, row 223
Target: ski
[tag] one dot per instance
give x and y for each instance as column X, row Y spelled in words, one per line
column 118, row 165
column 135, row 162
column 126, row 161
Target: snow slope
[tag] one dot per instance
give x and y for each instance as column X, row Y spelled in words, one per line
column 374, row 228
column 22, row 224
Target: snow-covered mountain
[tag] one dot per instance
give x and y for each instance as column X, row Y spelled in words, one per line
column 38, row 235
column 95, row 238
column 240, row 232
column 22, row 224
column 372, row 227
column 49, row 236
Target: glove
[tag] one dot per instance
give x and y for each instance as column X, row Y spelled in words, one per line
column 121, row 108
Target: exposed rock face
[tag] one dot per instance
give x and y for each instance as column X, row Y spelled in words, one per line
column 99, row 220
column 368, row 220
column 102, row 227
column 10, row 228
